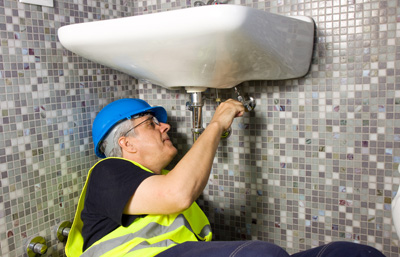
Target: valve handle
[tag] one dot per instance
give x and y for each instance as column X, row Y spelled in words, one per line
column 249, row 104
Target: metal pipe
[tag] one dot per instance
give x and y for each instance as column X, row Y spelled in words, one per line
column 197, row 114
column 62, row 231
column 36, row 246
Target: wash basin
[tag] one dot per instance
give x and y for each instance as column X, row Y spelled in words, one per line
column 216, row 46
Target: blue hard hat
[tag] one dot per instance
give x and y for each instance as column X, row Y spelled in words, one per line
column 117, row 111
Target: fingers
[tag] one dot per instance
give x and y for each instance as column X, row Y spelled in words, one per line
column 236, row 106
column 239, row 106
column 227, row 111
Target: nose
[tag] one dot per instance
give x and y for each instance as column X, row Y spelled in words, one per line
column 164, row 127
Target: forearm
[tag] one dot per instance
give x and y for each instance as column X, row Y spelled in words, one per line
column 191, row 174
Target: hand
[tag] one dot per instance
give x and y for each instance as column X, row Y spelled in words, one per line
column 226, row 112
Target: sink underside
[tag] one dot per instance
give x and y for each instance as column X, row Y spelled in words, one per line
column 216, row 46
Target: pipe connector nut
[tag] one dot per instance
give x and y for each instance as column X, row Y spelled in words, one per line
column 36, row 246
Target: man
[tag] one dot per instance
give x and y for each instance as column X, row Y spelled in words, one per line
column 131, row 206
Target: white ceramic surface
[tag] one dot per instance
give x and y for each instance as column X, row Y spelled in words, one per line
column 217, row 46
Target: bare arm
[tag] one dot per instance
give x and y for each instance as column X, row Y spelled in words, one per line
column 176, row 191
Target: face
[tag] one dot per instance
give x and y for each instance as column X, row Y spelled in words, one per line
column 154, row 148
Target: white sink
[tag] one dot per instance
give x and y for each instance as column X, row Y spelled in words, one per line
column 216, row 46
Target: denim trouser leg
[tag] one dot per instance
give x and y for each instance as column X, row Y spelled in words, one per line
column 341, row 249
column 225, row 249
column 265, row 249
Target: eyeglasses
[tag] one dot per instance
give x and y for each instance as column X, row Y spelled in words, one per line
column 154, row 121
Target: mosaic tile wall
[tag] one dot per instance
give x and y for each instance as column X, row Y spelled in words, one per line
column 315, row 162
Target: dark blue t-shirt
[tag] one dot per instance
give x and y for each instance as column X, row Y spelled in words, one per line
column 111, row 184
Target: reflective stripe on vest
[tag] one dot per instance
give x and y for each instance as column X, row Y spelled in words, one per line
column 146, row 236
column 153, row 229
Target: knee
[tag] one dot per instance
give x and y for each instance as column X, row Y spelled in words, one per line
column 264, row 249
column 351, row 249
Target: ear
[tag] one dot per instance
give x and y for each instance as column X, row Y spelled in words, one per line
column 127, row 144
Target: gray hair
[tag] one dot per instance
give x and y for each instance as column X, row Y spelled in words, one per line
column 110, row 145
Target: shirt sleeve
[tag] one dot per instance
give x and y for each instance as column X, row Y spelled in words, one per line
column 111, row 185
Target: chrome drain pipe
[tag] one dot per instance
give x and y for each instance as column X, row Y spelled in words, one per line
column 196, row 106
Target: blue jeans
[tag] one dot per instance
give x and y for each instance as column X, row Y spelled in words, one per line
column 265, row 249
column 341, row 249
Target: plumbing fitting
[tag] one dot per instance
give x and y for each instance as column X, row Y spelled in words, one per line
column 198, row 3
column 214, row 2
column 248, row 102
column 196, row 106
column 63, row 230
column 210, row 2
column 36, row 246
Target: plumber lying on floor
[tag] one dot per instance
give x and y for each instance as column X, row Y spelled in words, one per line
column 131, row 206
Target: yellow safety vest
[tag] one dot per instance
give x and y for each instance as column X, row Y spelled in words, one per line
column 147, row 236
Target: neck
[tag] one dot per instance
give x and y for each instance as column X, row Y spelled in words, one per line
column 156, row 170
column 154, row 167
